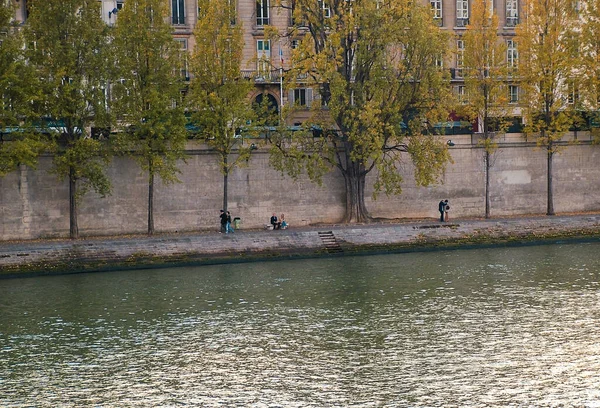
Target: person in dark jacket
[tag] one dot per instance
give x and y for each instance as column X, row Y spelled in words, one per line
column 442, row 209
column 275, row 222
column 223, row 218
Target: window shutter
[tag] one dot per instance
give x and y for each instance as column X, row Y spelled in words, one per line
column 291, row 97
column 309, row 97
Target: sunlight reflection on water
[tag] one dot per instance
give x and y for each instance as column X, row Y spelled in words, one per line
column 488, row 327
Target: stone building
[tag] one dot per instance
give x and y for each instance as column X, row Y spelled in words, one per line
column 266, row 62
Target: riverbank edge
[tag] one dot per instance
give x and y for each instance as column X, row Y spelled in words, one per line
column 463, row 235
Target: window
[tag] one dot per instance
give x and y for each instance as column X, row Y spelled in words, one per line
column 462, row 9
column 232, row 12
column 263, row 56
column 460, row 56
column 513, row 94
column 326, row 10
column 512, row 13
column 262, row 12
column 461, row 93
column 512, row 55
column 178, row 11
column 489, row 8
column 301, row 96
column 183, row 55
column 573, row 92
column 294, row 44
column 436, row 7
column 439, row 62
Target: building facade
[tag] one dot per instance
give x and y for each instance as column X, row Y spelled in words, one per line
column 266, row 62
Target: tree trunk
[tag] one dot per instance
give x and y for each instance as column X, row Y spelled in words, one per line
column 487, row 183
column 354, row 179
column 550, row 152
column 487, row 156
column 73, row 227
column 151, row 201
column 225, row 182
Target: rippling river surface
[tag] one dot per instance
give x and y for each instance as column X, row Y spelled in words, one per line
column 470, row 328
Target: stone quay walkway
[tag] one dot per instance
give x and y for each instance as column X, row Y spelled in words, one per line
column 58, row 256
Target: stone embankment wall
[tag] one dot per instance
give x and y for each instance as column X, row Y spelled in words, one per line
column 34, row 204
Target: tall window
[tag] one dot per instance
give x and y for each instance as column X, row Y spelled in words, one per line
column 573, row 92
column 183, row 55
column 436, row 6
column 489, row 7
column 462, row 9
column 263, row 56
column 232, row 12
column 262, row 12
column 513, row 93
column 178, row 11
column 460, row 56
column 512, row 13
column 512, row 56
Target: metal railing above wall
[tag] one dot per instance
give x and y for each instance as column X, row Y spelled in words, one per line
column 270, row 76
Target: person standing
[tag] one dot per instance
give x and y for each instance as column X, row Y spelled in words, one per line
column 446, row 209
column 223, row 218
column 228, row 227
column 442, row 209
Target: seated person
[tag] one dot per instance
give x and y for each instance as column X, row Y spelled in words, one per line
column 275, row 222
column 283, row 222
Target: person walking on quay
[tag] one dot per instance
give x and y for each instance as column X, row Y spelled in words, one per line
column 442, row 209
column 223, row 218
column 228, row 227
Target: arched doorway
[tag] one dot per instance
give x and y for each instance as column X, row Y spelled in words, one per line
column 267, row 108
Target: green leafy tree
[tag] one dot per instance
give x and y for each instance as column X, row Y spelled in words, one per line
column 590, row 77
column 374, row 67
column 218, row 94
column 548, row 42
column 20, row 143
column 485, row 71
column 67, row 45
column 147, row 104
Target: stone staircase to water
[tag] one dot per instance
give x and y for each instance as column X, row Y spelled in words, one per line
column 331, row 244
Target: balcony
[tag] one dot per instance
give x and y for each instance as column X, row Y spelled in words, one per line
column 262, row 77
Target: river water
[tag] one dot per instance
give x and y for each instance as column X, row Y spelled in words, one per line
column 466, row 328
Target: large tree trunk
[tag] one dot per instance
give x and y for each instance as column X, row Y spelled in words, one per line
column 550, row 151
column 73, row 227
column 151, row 201
column 356, row 210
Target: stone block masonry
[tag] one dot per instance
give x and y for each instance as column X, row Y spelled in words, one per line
column 34, row 204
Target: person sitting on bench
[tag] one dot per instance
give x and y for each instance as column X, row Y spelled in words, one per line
column 275, row 222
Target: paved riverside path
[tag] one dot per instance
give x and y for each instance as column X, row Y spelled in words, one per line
column 93, row 254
